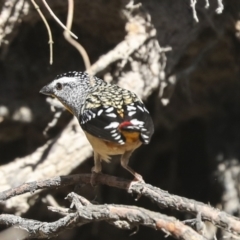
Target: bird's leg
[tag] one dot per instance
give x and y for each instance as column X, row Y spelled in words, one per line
column 96, row 169
column 124, row 162
column 97, row 163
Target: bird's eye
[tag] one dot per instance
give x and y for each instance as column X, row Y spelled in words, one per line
column 59, row 86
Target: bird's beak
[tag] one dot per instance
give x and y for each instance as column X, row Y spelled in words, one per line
column 46, row 90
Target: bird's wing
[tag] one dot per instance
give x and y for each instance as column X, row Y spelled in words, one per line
column 139, row 117
column 106, row 123
column 102, row 122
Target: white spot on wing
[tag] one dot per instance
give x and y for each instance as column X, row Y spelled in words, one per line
column 131, row 113
column 145, row 136
column 145, row 110
column 140, row 108
column 129, row 108
column 112, row 125
column 109, row 109
column 113, row 115
column 136, row 122
column 100, row 112
column 118, row 137
column 115, row 134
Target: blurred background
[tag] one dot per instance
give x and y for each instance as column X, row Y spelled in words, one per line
column 186, row 71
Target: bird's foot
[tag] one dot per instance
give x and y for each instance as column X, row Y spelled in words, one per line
column 138, row 178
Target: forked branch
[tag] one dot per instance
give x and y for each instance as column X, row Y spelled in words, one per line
column 161, row 197
column 121, row 216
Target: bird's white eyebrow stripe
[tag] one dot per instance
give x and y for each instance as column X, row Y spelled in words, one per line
column 65, row 80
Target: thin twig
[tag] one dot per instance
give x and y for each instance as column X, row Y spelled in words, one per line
column 74, row 43
column 58, row 20
column 193, row 6
column 161, row 197
column 207, row 4
column 48, row 30
column 220, row 7
column 53, row 122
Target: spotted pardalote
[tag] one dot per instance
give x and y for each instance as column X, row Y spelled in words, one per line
column 114, row 119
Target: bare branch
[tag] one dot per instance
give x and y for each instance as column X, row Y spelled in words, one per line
column 12, row 12
column 123, row 50
column 58, row 20
column 45, row 184
column 48, row 30
column 161, row 197
column 121, row 216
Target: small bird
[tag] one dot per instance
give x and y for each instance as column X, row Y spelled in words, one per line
column 114, row 120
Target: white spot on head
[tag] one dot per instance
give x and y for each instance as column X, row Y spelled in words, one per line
column 65, row 80
column 112, row 125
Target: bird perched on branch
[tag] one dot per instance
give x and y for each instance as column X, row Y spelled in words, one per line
column 114, row 119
